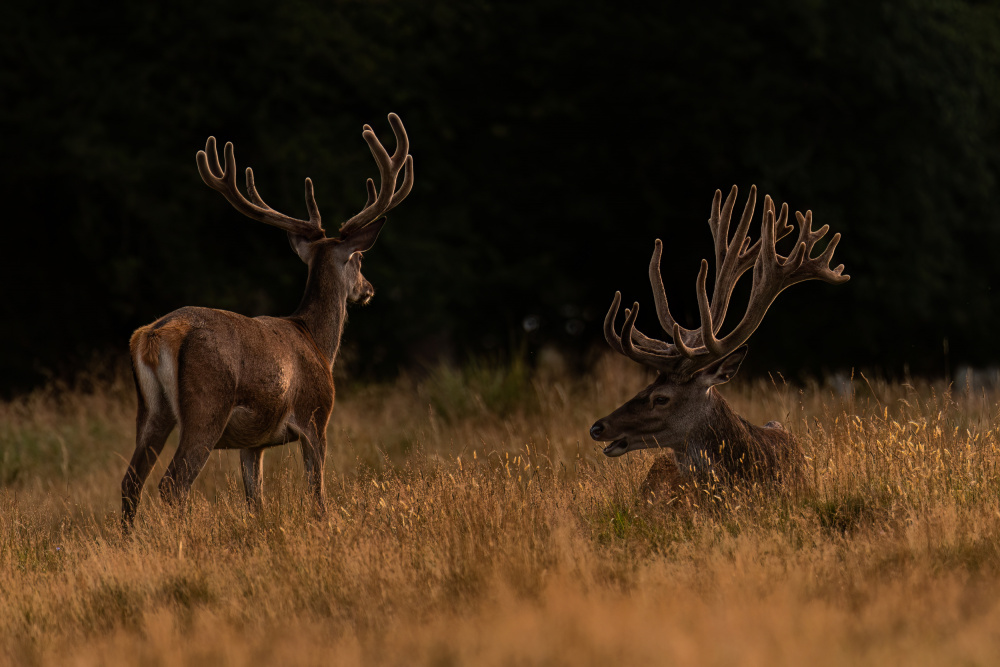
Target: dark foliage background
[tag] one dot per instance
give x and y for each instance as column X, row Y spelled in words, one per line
column 553, row 140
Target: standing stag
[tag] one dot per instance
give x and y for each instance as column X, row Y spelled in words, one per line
column 682, row 411
column 235, row 382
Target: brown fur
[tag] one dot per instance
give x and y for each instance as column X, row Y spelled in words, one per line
column 235, row 382
column 739, row 452
column 664, row 480
column 705, row 438
column 682, row 410
column 245, row 383
column 148, row 341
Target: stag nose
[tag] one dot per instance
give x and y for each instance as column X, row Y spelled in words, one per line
column 596, row 430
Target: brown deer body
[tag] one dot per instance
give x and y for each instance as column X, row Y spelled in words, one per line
column 682, row 412
column 235, row 382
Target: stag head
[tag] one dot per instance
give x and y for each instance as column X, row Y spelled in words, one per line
column 341, row 256
column 671, row 411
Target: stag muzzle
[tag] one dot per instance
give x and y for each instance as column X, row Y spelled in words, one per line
column 616, row 448
column 366, row 293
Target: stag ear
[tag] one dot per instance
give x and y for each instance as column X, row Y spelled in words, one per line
column 723, row 370
column 363, row 239
column 301, row 245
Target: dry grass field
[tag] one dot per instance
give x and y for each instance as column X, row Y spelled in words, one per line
column 472, row 521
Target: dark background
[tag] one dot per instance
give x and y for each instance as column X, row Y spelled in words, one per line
column 553, row 142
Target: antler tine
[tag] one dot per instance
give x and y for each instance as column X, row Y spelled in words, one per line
column 718, row 223
column 257, row 200
column 781, row 226
column 224, row 180
column 773, row 274
column 372, row 194
column 407, row 185
column 213, row 166
column 739, row 255
column 663, row 362
column 732, row 258
column 609, row 325
column 693, row 350
column 704, row 310
column 387, row 196
column 638, row 342
column 252, row 190
column 815, row 267
column 667, row 320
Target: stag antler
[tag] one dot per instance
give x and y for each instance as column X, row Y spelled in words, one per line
column 224, row 180
column 387, row 196
column 694, row 349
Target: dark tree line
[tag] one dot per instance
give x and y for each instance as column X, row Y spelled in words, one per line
column 553, row 141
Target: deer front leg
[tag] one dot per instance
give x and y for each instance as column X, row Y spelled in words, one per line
column 663, row 480
column 252, row 465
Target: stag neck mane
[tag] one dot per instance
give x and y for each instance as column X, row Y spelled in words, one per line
column 731, row 446
column 323, row 309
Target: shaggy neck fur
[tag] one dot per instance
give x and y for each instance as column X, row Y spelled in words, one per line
column 735, row 447
column 323, row 309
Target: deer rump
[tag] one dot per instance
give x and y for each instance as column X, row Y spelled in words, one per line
column 205, row 360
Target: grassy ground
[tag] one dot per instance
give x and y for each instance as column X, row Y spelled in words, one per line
column 472, row 521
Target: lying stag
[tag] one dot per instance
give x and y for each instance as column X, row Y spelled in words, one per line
column 234, row 382
column 682, row 411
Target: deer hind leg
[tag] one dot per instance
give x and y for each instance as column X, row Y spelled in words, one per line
column 154, row 422
column 252, row 465
column 313, row 441
column 195, row 447
column 205, row 408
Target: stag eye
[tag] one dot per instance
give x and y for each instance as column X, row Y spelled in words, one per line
column 661, row 400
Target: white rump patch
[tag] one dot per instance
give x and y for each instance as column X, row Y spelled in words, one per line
column 159, row 383
column 167, row 374
column 148, row 384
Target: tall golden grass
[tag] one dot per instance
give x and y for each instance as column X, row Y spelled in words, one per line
column 472, row 521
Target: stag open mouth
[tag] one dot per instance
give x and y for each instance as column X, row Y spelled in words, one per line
column 616, row 448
